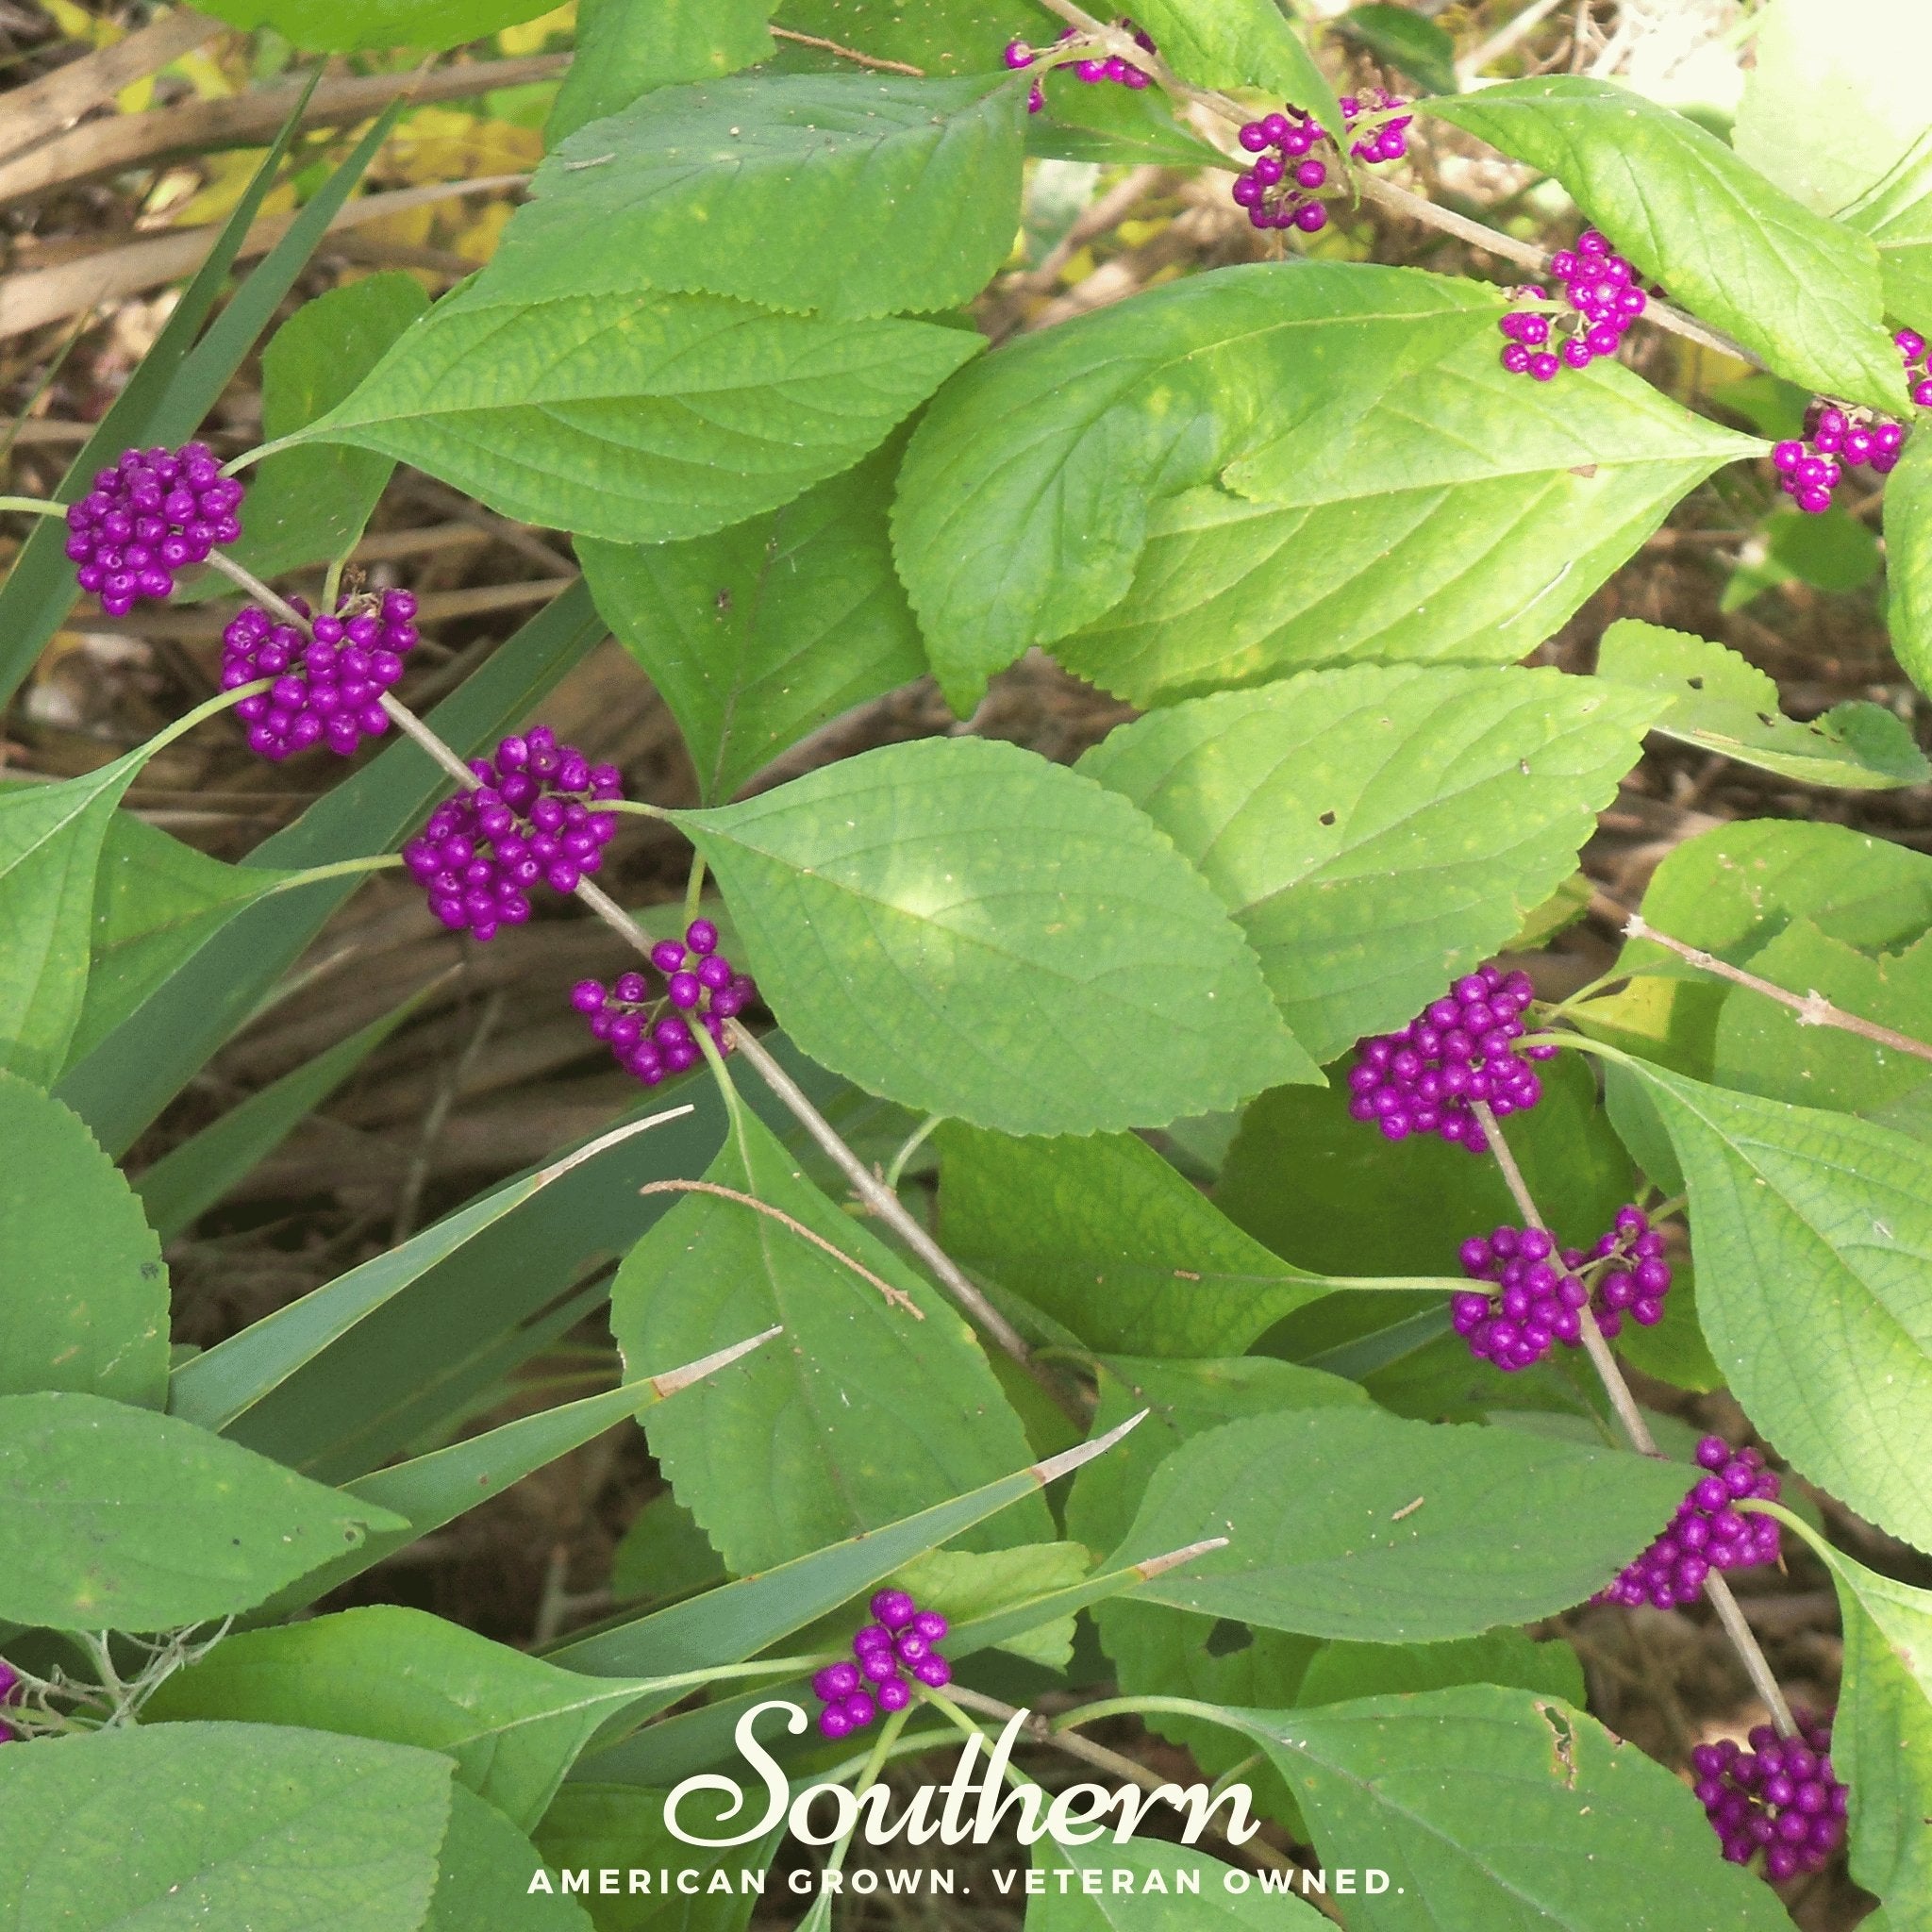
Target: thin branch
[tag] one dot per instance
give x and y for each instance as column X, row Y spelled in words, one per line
column 1717, row 1592
column 852, row 54
column 1813, row 1008
column 896, row 1297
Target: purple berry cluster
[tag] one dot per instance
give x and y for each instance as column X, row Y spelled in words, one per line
column 645, row 1037
column 853, row 1695
column 530, row 820
column 1604, row 298
column 155, row 513
column 1708, row 1533
column 1279, row 185
column 9, row 1693
column 1112, row 67
column 1636, row 1279
column 1836, row 439
column 1459, row 1049
column 1540, row 1304
column 1912, row 346
column 329, row 686
column 1781, row 1797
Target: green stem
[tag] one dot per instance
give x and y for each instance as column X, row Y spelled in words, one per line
column 763, row 1667
column 32, row 506
column 342, row 868
column 868, row 1776
column 693, row 887
column 236, row 464
column 914, row 1141
column 209, row 708
column 634, row 805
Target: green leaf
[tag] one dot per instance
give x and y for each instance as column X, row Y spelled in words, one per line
column 513, row 1723
column 1881, row 1733
column 1457, row 521
column 1104, row 1235
column 1897, row 215
column 219, row 1824
column 1328, row 1194
column 190, row 1179
column 939, row 36
column 157, row 902
column 1909, row 558
column 1722, row 702
column 1831, row 552
column 639, row 418
column 596, row 1825
column 1392, row 1530
column 50, row 848
column 1813, row 1235
column 624, row 50
column 861, row 1413
column 1109, row 125
column 484, row 1878
column 1832, row 99
column 968, row 1585
column 1239, row 43
column 1801, row 291
column 1377, row 832
column 663, row 1554
column 305, row 504
column 1154, row 1899
column 1027, row 493
column 1420, row 1786
column 1342, row 1670
column 967, row 928
column 120, row 1519
column 1409, row 41
column 341, row 27
column 86, row 1295
column 897, row 195
column 756, row 636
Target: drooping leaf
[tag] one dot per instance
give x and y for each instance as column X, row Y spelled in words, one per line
column 223, row 1824
column 1377, row 832
column 156, row 902
column 1170, row 1889
column 513, row 1723
column 1813, row 1236
column 640, row 418
column 1417, row 1786
column 83, row 1287
column 120, row 1519
column 1803, row 292
column 757, row 635
column 1343, row 1669
column 965, row 927
column 1107, row 1239
column 1391, row 1530
column 624, row 50
column 485, row 1876
column 305, row 504
column 190, row 1179
column 1459, row 520
column 861, row 1413
column 339, row 26
column 896, row 195
column 1029, row 489
column 1908, row 551
column 50, row 848
column 1722, row 702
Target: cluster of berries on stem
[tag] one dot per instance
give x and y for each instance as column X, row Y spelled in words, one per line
column 328, row 684
column 1459, row 1050
column 650, row 1036
column 1110, row 67
column 1709, row 1532
column 1280, row 186
column 902, row 1636
column 1637, row 1278
column 154, row 512
column 1912, row 346
column 1600, row 288
column 531, row 821
column 1781, row 1797
column 1837, row 439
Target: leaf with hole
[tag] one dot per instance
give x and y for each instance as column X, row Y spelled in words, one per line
column 1377, row 832
column 970, row 929
column 1742, row 254
column 862, row 1411
column 897, row 195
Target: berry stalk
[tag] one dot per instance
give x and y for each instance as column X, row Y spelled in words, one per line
column 1717, row 1592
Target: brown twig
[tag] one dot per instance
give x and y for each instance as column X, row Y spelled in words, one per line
column 1813, row 1008
column 896, row 1297
column 852, row 54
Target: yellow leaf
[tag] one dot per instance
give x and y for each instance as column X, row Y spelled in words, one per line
column 478, row 243
column 445, row 144
column 227, row 179
column 529, row 37
column 77, row 24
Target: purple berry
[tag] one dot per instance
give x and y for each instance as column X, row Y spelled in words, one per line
column 894, row 1608
column 1706, row 1533
column 893, row 1694
column 149, row 514
column 1782, row 1797
column 935, row 1672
